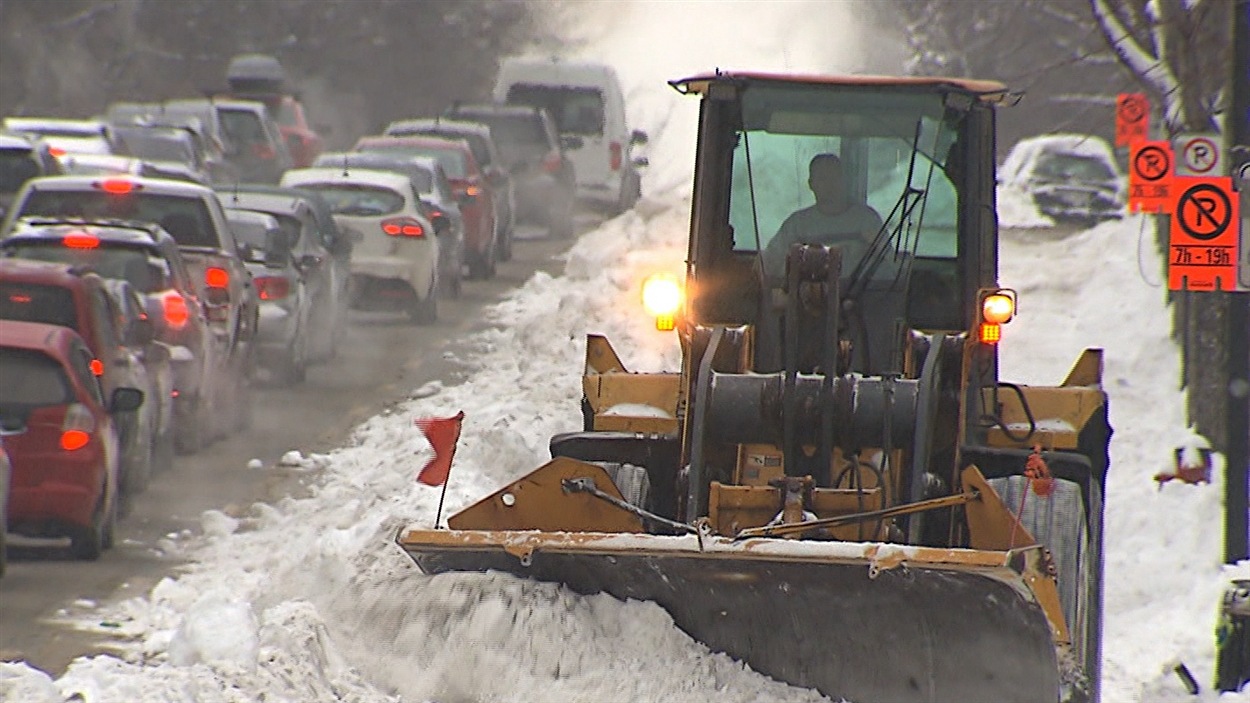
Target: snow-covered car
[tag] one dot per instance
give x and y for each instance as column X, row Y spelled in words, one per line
column 395, row 262
column 1070, row 177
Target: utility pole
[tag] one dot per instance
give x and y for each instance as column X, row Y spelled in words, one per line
column 1237, row 434
column 1232, row 667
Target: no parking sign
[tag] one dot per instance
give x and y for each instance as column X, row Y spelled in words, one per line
column 1202, row 248
column 1198, row 155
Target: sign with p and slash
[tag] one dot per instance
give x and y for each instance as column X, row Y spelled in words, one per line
column 1203, row 242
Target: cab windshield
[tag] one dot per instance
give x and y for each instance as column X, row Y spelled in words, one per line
column 891, row 149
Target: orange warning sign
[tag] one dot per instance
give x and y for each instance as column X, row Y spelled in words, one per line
column 1132, row 118
column 1202, row 248
column 1150, row 177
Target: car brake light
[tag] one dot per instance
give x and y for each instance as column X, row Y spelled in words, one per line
column 473, row 190
column 56, row 152
column 174, row 307
column 402, row 227
column 77, row 427
column 116, row 186
column 19, row 298
column 552, row 163
column 215, row 277
column 97, row 367
column 273, row 287
column 616, row 153
column 81, row 240
column 263, row 151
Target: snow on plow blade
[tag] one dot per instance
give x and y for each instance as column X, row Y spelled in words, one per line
column 867, row 622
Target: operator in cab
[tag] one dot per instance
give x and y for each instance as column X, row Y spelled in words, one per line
column 833, row 220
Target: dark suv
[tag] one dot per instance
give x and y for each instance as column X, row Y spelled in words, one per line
column 530, row 149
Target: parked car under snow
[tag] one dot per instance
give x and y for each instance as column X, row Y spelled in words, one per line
column 1072, row 178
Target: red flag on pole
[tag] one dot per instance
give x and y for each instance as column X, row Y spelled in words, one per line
column 442, row 434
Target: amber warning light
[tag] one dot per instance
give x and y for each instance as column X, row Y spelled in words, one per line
column 998, row 307
column 662, row 298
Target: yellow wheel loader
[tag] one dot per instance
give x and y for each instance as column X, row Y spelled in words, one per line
column 836, row 489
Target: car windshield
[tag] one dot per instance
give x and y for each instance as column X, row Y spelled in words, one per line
column 32, row 379
column 186, row 218
column 891, row 148
column 1071, row 167
column 243, row 127
column 124, row 262
column 575, row 110
column 510, row 132
column 38, row 302
column 452, row 160
column 357, row 199
column 16, row 167
column 155, row 146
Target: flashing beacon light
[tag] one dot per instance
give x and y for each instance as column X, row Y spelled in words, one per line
column 998, row 307
column 662, row 299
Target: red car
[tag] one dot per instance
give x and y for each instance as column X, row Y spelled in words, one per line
column 60, row 438
column 472, row 188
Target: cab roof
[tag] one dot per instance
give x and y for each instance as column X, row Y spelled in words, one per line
column 986, row 90
column 54, row 340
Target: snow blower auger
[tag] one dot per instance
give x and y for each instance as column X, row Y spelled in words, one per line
column 836, row 488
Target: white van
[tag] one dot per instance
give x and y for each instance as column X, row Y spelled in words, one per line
column 586, row 101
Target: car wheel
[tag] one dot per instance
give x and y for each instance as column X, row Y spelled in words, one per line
column 190, row 432
column 292, row 369
column 505, row 244
column 163, row 452
column 88, row 543
column 482, row 266
column 424, row 311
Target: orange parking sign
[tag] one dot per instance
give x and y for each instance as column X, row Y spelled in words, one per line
column 1203, row 242
column 1132, row 118
column 1150, row 177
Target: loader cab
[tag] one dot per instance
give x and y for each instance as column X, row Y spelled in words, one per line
column 918, row 152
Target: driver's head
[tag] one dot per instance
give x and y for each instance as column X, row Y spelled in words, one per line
column 827, row 180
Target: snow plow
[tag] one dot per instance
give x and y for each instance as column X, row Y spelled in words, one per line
column 836, row 488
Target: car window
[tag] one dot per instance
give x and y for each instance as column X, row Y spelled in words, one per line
column 38, row 302
column 155, row 146
column 514, row 130
column 576, row 110
column 452, row 160
column 186, row 219
column 16, row 167
column 1070, row 167
column 32, row 379
column 243, row 127
column 131, row 264
column 355, row 199
column 477, row 143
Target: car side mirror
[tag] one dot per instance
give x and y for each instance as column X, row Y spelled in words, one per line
column 641, row 161
column 572, row 142
column 141, row 333
column 125, row 400
column 309, row 261
column 638, row 137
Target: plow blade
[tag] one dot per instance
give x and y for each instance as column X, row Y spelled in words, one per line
column 861, row 621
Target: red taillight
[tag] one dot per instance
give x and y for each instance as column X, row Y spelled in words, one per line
column 56, row 151
column 616, row 154
column 97, row 367
column 19, row 298
column 74, row 439
column 473, row 191
column 174, row 307
column 552, row 163
column 77, row 427
column 81, row 240
column 263, row 151
column 116, row 186
column 273, row 287
column 402, row 227
column 215, row 277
